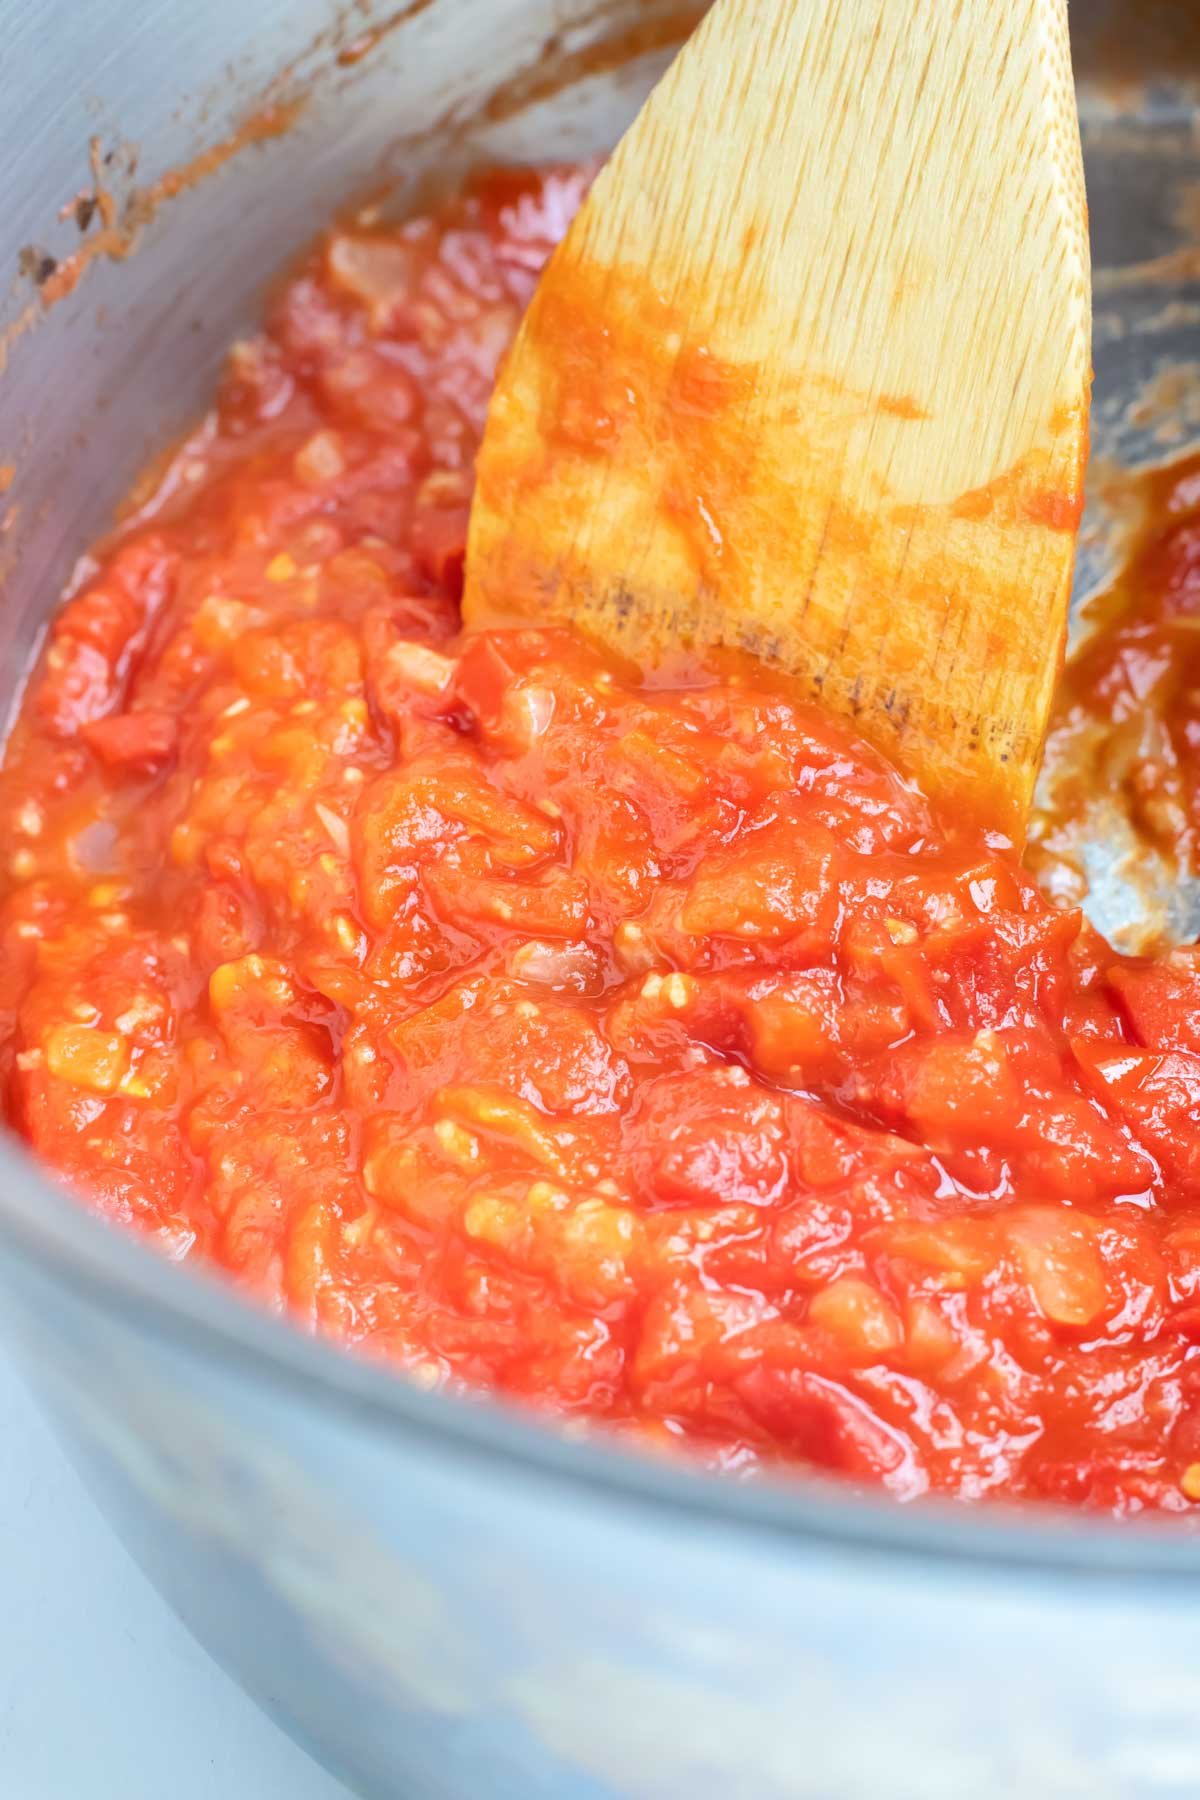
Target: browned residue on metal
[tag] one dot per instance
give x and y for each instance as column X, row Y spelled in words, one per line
column 558, row 67
column 82, row 208
column 113, row 227
column 1166, row 408
column 1176, row 267
column 1118, row 508
column 373, row 36
column 24, row 321
column 36, row 265
column 1134, row 43
column 1091, row 791
column 121, row 225
column 1187, row 211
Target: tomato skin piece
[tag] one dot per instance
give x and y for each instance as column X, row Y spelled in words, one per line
column 836, row 1430
column 636, row 1044
column 144, row 740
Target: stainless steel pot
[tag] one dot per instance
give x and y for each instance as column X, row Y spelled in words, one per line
column 439, row 1598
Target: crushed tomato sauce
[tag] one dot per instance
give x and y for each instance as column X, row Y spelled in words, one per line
column 636, row 1045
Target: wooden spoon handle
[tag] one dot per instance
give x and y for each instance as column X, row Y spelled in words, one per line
column 809, row 376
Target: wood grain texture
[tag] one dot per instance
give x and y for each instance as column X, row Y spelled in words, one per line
column 809, row 376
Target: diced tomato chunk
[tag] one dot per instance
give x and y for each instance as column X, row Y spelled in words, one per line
column 144, row 740
column 1162, row 1001
column 777, row 885
column 1158, row 1095
column 711, row 1137
column 1057, row 1255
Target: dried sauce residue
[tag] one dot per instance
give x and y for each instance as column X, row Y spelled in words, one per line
column 1175, row 268
column 121, row 224
column 1122, row 767
column 1128, row 48
column 558, row 67
column 371, row 38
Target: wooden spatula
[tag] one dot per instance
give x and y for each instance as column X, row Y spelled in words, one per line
column 809, row 376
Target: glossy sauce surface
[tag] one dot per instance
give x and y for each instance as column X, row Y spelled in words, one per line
column 1127, row 712
column 638, row 1045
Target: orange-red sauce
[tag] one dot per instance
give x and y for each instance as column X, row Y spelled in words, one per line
column 1127, row 715
column 636, row 1044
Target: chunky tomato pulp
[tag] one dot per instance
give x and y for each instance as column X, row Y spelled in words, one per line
column 636, row 1044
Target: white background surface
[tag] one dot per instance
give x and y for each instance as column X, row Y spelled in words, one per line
column 103, row 1695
